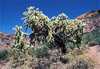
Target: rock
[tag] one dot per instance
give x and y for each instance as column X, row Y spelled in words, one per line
column 92, row 18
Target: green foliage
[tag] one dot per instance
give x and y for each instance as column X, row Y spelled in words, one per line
column 4, row 54
column 92, row 38
column 70, row 45
column 41, row 51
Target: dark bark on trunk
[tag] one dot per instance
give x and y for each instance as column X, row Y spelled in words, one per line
column 60, row 43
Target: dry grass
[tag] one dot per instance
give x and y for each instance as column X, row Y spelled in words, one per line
column 74, row 57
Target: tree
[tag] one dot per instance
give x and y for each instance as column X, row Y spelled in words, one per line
column 57, row 30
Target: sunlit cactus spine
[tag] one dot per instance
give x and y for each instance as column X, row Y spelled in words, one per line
column 19, row 45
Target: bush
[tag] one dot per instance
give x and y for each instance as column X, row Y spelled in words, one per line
column 70, row 45
column 92, row 38
column 81, row 63
column 4, row 54
column 41, row 51
column 66, row 58
column 31, row 62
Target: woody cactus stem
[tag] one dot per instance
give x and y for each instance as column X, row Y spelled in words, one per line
column 58, row 40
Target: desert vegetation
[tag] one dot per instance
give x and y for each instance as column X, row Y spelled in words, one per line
column 61, row 44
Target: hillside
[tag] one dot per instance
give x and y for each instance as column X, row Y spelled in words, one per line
column 92, row 18
column 43, row 57
column 6, row 40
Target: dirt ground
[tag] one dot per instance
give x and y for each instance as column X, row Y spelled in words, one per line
column 95, row 54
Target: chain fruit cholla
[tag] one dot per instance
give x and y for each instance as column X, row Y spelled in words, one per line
column 57, row 30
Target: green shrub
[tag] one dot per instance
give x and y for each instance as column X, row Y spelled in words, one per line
column 41, row 51
column 4, row 54
column 92, row 38
column 66, row 58
column 70, row 45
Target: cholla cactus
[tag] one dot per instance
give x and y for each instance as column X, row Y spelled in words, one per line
column 57, row 30
column 19, row 46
